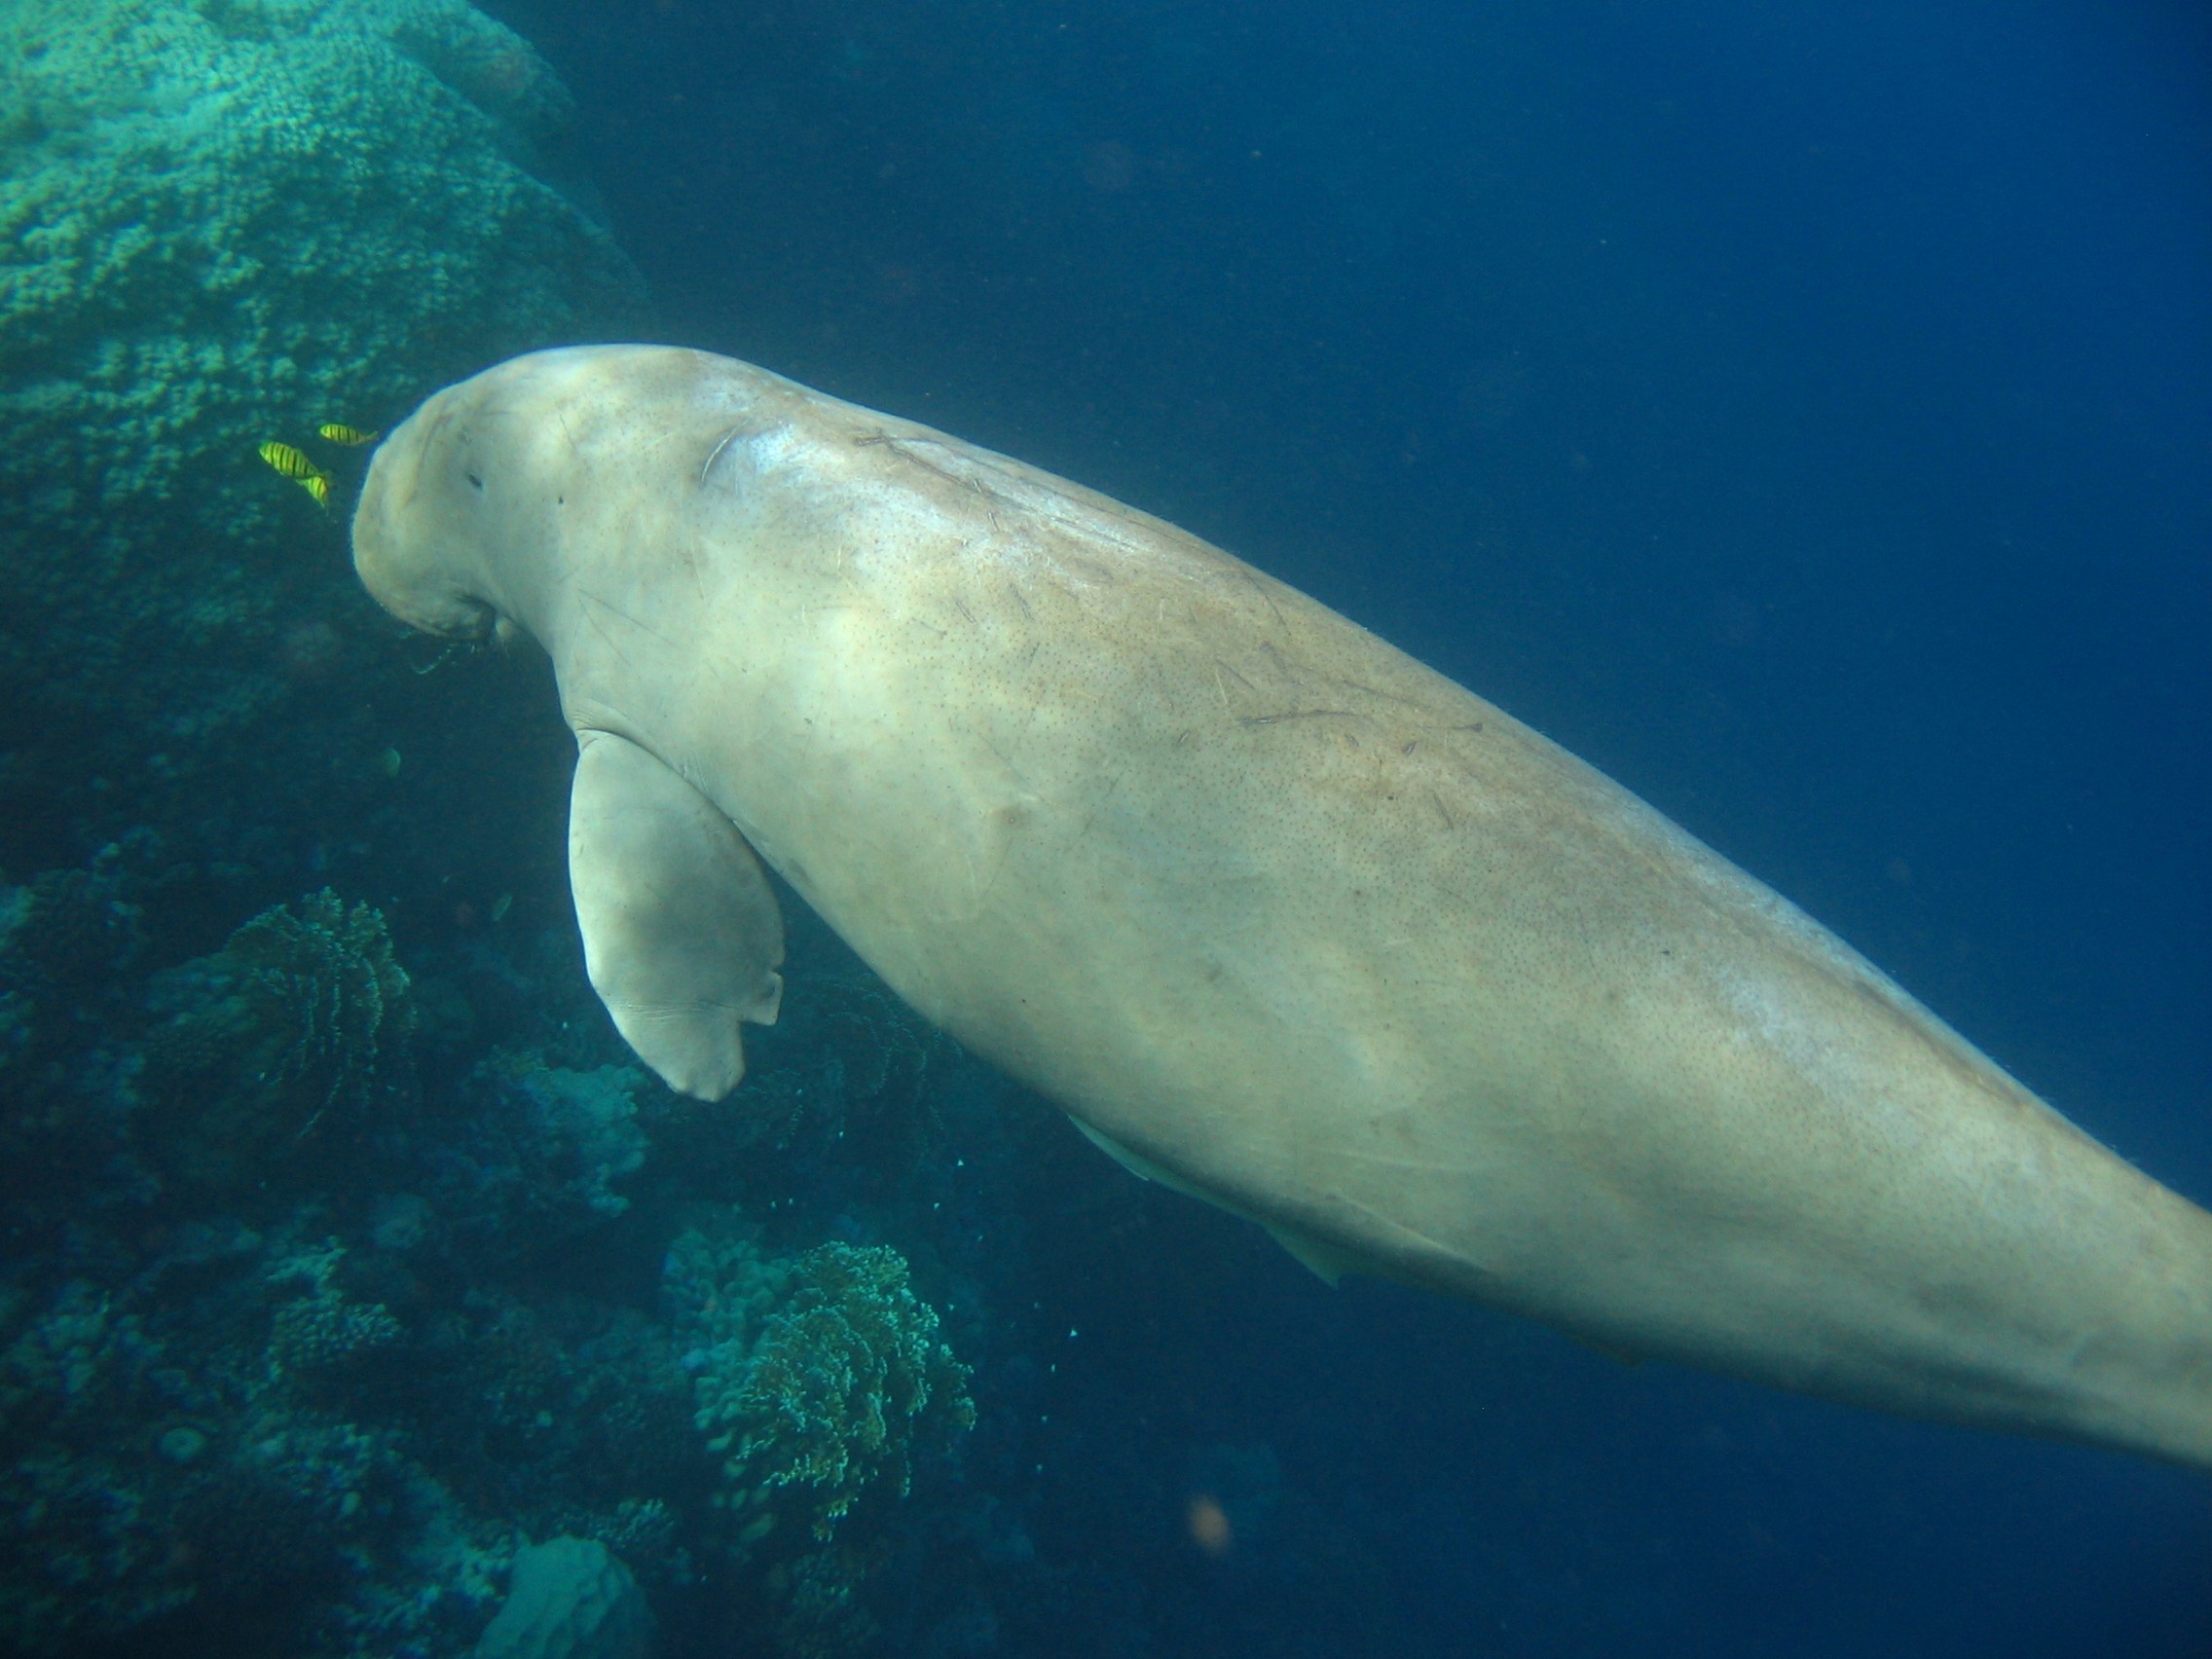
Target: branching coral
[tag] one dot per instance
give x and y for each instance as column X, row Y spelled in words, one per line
column 295, row 1031
column 819, row 1613
column 829, row 1392
column 327, row 982
column 874, row 1046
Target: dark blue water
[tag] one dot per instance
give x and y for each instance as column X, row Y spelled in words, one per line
column 1803, row 411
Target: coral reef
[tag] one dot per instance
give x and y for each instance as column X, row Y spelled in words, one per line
column 303, row 1340
column 331, row 1282
column 820, row 1609
column 323, row 1332
column 157, row 1465
column 65, row 938
column 77, row 1520
column 66, row 934
column 227, row 222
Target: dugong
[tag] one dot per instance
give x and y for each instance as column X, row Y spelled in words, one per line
column 1278, row 915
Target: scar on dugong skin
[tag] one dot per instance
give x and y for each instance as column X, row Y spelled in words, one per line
column 1278, row 915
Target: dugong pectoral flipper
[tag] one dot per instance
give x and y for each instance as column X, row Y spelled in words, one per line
column 682, row 935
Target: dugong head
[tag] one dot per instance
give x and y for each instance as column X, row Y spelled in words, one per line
column 464, row 501
column 427, row 534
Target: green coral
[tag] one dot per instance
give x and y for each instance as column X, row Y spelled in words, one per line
column 297, row 1029
column 830, row 1374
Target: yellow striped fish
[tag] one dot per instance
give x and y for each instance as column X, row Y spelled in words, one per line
column 298, row 468
column 353, row 437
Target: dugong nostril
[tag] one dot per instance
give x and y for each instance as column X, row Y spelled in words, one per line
column 716, row 454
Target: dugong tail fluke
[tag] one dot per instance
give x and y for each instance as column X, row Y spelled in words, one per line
column 1275, row 913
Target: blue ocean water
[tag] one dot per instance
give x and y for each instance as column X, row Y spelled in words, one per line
column 1804, row 412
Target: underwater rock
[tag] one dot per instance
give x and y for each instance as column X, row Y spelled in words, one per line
column 399, row 1222
column 290, row 1041
column 570, row 1598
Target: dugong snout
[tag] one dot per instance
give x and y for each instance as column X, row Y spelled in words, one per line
column 411, row 528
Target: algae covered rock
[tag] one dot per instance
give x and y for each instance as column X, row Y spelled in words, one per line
column 570, row 1598
column 222, row 223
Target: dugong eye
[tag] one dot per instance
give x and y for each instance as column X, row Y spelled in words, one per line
column 473, row 480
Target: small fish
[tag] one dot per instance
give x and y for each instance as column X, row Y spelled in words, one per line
column 353, row 437
column 500, row 905
column 298, row 468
